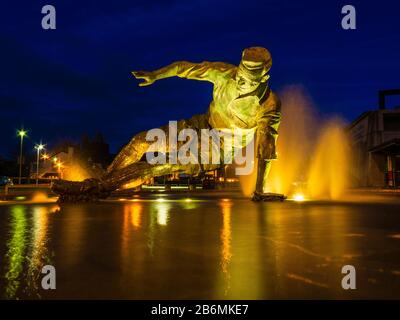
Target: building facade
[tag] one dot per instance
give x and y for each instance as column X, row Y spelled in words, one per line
column 375, row 139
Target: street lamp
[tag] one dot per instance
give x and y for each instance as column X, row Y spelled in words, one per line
column 38, row 147
column 21, row 133
column 59, row 166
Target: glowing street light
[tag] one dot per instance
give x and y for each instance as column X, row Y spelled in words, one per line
column 38, row 148
column 21, row 133
column 45, row 156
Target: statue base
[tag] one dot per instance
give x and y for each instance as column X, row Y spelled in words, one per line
column 269, row 196
column 89, row 190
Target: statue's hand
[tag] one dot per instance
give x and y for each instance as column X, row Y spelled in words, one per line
column 148, row 77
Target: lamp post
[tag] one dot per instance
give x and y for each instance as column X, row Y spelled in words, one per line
column 38, row 147
column 21, row 133
column 59, row 166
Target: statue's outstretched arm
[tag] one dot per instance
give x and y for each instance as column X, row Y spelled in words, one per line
column 206, row 71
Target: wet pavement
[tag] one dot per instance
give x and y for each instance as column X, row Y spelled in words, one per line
column 223, row 247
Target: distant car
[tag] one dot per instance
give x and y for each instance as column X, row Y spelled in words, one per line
column 5, row 181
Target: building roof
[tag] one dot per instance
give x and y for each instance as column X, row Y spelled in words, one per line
column 360, row 117
column 389, row 147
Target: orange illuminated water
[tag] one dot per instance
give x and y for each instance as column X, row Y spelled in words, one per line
column 329, row 172
column 75, row 172
column 313, row 155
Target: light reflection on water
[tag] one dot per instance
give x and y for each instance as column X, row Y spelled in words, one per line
column 162, row 213
column 223, row 249
column 226, row 243
column 38, row 255
column 15, row 255
column 26, row 249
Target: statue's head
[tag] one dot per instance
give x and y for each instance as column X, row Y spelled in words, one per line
column 253, row 69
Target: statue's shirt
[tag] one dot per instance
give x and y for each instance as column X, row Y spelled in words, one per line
column 229, row 110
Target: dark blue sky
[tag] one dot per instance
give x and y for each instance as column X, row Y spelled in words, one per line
column 76, row 79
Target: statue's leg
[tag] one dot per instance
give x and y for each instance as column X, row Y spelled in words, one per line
column 263, row 169
column 93, row 189
column 136, row 148
column 126, row 167
column 130, row 153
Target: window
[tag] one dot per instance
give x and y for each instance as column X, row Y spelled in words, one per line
column 391, row 122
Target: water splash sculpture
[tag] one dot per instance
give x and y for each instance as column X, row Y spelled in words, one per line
column 242, row 100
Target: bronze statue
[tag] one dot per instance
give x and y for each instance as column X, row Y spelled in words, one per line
column 242, row 99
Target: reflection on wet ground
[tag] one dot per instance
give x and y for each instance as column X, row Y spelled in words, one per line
column 200, row 249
